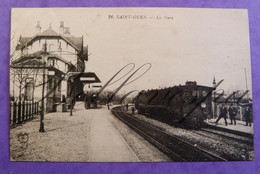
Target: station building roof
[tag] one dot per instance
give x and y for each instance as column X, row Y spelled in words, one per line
column 75, row 42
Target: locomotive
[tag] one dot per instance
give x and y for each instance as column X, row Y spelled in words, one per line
column 184, row 105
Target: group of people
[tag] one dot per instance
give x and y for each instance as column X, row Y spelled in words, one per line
column 132, row 109
column 232, row 111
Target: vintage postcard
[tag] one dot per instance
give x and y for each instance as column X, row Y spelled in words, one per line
column 130, row 85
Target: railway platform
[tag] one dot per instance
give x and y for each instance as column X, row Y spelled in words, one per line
column 93, row 135
column 239, row 127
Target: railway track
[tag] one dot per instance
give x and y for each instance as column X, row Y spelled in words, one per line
column 234, row 132
column 174, row 147
column 215, row 133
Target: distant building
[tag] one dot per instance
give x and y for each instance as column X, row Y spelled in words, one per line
column 64, row 56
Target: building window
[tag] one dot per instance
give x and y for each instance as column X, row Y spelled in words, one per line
column 28, row 90
column 44, row 47
column 51, row 62
column 66, row 67
column 50, row 47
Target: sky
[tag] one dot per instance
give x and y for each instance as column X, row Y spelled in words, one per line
column 181, row 44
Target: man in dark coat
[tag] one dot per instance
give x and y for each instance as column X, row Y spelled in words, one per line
column 232, row 113
column 126, row 106
column 247, row 115
column 223, row 114
column 133, row 111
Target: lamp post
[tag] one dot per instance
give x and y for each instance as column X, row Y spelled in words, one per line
column 44, row 55
column 42, row 111
column 71, row 93
column 71, row 108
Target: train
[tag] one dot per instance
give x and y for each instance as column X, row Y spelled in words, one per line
column 184, row 105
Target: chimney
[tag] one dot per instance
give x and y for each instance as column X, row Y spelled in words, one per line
column 66, row 30
column 61, row 27
column 38, row 27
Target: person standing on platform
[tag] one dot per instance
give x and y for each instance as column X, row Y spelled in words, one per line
column 247, row 115
column 108, row 106
column 133, row 111
column 223, row 114
column 126, row 106
column 232, row 113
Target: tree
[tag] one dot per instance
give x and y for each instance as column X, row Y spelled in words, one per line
column 23, row 69
column 20, row 75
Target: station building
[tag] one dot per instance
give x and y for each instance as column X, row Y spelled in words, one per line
column 60, row 57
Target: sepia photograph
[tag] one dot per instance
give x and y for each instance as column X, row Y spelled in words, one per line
column 130, row 85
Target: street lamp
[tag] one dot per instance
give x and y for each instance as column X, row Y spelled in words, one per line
column 42, row 111
column 44, row 56
column 72, row 80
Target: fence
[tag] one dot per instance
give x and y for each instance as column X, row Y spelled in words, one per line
column 21, row 111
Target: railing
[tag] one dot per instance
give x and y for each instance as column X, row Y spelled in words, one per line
column 22, row 111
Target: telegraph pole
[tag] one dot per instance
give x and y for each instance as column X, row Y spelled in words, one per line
column 246, row 85
column 71, row 93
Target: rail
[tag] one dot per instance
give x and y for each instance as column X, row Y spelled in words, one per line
column 174, row 147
